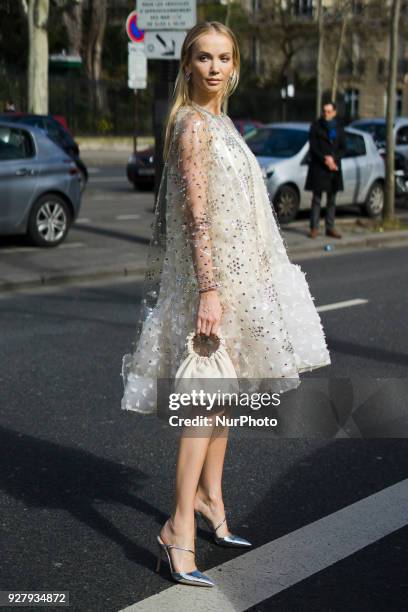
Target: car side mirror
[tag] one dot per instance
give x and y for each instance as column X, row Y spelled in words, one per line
column 306, row 160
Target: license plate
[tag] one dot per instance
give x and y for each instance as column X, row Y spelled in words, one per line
column 146, row 171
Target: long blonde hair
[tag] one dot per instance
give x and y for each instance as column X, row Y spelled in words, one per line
column 182, row 88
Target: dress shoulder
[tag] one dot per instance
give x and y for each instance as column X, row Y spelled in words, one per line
column 188, row 118
column 190, row 129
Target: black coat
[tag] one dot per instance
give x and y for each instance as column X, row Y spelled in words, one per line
column 319, row 177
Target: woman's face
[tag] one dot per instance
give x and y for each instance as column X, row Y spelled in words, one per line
column 211, row 63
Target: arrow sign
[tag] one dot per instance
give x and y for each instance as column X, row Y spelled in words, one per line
column 164, row 44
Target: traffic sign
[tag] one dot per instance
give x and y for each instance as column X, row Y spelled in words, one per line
column 137, row 66
column 133, row 31
column 164, row 44
column 167, row 14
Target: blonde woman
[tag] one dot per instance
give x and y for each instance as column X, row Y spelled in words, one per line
column 217, row 261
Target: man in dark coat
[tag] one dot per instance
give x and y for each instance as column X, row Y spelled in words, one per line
column 327, row 142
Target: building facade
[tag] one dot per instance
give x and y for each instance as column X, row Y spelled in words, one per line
column 284, row 43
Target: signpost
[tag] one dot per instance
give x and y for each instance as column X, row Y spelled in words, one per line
column 137, row 65
column 166, row 22
column 133, row 31
column 167, row 14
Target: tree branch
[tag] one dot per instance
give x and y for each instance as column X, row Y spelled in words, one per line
column 24, row 7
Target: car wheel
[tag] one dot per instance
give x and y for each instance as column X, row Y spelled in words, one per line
column 49, row 221
column 286, row 204
column 374, row 203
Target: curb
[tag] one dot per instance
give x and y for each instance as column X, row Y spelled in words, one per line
column 376, row 240
column 71, row 279
column 50, row 280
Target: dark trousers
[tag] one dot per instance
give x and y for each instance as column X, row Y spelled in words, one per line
column 330, row 209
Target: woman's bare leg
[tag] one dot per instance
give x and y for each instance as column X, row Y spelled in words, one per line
column 180, row 528
column 208, row 498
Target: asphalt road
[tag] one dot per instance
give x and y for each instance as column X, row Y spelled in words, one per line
column 85, row 486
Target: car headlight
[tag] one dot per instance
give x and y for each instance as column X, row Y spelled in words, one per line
column 267, row 173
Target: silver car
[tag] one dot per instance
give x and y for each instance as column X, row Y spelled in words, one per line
column 282, row 150
column 40, row 191
column 376, row 126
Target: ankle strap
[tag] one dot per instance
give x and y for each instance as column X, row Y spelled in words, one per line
column 219, row 525
column 180, row 548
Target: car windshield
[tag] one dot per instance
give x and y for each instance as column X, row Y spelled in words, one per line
column 377, row 130
column 276, row 141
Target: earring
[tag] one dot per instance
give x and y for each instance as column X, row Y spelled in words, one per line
column 187, row 76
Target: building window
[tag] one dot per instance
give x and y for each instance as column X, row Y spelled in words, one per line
column 398, row 103
column 351, row 100
column 302, row 8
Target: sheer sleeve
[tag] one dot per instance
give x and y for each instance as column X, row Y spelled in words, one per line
column 193, row 162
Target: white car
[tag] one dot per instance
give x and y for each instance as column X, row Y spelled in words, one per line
column 282, row 150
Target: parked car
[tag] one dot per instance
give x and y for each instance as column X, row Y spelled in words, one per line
column 282, row 150
column 400, row 174
column 55, row 127
column 244, row 126
column 141, row 170
column 377, row 128
column 39, row 186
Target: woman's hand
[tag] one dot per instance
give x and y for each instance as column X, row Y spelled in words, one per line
column 209, row 313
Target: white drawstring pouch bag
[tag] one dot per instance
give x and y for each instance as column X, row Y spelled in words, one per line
column 207, row 369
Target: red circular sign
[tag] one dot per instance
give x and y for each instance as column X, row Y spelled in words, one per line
column 135, row 34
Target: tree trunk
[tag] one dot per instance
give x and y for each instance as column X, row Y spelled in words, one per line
column 338, row 56
column 94, row 48
column 37, row 16
column 389, row 204
column 319, row 67
column 72, row 18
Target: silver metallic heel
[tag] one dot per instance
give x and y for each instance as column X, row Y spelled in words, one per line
column 231, row 540
column 194, row 578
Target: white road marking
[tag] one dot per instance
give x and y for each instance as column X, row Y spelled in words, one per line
column 345, row 304
column 265, row 571
column 94, row 170
column 83, row 220
column 68, row 245
column 126, row 217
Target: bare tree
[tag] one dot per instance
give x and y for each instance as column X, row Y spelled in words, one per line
column 37, row 12
column 319, row 63
column 94, row 44
column 72, row 19
column 275, row 22
column 389, row 204
column 93, row 51
column 345, row 11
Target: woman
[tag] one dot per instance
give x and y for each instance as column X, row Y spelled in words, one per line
column 219, row 261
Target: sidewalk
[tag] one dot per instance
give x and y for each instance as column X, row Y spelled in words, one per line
column 83, row 257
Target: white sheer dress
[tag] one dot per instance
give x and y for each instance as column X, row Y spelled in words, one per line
column 221, row 230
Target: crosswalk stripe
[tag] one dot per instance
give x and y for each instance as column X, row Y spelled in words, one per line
column 265, row 571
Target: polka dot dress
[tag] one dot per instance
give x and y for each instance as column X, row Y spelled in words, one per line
column 222, row 232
